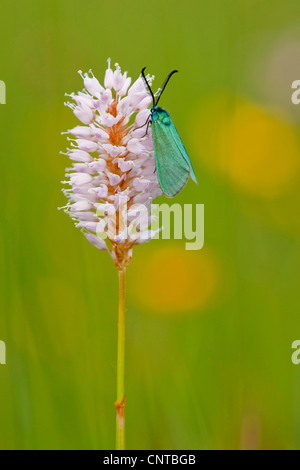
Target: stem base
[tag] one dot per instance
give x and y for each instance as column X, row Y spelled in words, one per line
column 120, row 424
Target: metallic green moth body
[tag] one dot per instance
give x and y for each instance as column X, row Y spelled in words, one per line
column 172, row 161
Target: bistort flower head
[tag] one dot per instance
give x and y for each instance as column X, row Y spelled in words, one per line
column 112, row 178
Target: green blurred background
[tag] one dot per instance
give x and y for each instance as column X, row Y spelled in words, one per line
column 209, row 333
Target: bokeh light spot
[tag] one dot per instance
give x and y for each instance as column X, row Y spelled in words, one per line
column 173, row 281
column 254, row 149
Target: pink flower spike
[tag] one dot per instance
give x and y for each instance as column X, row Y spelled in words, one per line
column 112, row 163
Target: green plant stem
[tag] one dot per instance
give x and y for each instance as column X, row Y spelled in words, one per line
column 120, row 403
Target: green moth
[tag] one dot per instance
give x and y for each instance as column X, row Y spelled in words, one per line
column 172, row 161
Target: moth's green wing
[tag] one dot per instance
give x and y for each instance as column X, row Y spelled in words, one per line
column 173, row 170
column 182, row 150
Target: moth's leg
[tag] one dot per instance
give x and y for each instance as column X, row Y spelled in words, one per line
column 148, row 124
column 149, row 117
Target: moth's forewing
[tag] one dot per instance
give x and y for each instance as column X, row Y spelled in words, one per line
column 173, row 170
column 182, row 149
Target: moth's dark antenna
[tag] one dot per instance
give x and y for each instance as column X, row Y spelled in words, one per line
column 165, row 84
column 148, row 86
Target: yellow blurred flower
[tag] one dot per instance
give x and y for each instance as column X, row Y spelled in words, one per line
column 172, row 281
column 256, row 150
